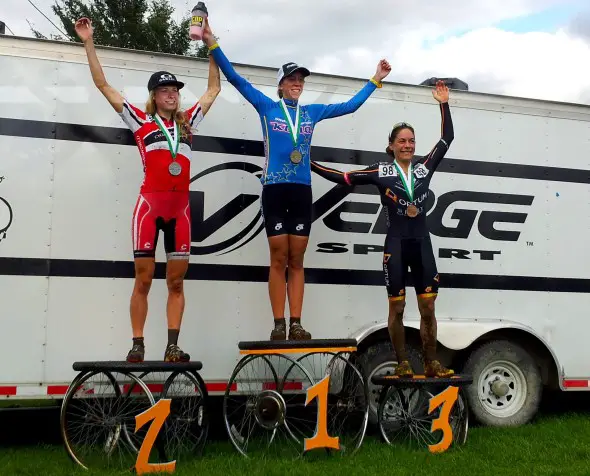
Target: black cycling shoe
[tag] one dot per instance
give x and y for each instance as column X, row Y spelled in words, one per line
column 297, row 332
column 175, row 354
column 136, row 354
column 280, row 330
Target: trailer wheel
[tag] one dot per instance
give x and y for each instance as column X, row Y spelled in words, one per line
column 379, row 359
column 507, row 386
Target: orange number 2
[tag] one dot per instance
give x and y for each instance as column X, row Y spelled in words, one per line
column 321, row 439
column 447, row 399
column 158, row 412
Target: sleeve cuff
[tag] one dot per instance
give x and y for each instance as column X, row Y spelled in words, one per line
column 376, row 83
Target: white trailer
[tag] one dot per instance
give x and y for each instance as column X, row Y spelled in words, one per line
column 509, row 217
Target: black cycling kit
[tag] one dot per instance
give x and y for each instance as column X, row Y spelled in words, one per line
column 407, row 243
column 287, row 209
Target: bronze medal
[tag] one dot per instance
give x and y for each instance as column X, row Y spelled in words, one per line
column 296, row 156
column 412, row 211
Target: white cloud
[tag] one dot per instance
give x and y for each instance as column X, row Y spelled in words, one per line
column 553, row 66
column 348, row 37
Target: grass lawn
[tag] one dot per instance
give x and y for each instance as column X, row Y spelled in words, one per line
column 552, row 445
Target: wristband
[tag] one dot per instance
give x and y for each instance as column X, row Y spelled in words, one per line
column 213, row 46
column 376, row 83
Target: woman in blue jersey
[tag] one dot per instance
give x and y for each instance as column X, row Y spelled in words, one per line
column 286, row 195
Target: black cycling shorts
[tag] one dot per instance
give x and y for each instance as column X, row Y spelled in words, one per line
column 286, row 209
column 415, row 254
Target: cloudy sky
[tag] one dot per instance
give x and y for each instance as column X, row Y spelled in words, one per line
column 538, row 49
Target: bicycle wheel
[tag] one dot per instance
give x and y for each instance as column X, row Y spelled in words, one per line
column 404, row 418
column 260, row 402
column 348, row 399
column 93, row 415
column 155, row 384
column 185, row 431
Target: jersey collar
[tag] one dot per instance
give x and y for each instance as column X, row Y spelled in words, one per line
column 167, row 122
column 290, row 102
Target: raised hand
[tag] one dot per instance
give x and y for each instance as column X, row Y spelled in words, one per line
column 208, row 37
column 441, row 92
column 84, row 29
column 383, row 69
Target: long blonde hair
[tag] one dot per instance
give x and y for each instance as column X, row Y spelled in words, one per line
column 179, row 116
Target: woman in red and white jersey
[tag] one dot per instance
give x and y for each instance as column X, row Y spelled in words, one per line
column 163, row 134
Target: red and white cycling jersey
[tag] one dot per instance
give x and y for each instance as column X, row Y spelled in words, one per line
column 155, row 152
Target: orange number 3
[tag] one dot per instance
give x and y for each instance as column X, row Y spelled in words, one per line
column 158, row 412
column 321, row 439
column 447, row 399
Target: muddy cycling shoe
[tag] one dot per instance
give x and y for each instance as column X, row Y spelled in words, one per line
column 280, row 330
column 296, row 332
column 136, row 354
column 175, row 354
column 434, row 368
column 403, row 369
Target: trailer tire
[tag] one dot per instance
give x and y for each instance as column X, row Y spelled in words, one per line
column 507, row 385
column 380, row 359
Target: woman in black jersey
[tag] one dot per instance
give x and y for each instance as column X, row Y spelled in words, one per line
column 404, row 186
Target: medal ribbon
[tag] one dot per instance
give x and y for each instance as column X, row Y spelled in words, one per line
column 173, row 143
column 293, row 128
column 408, row 188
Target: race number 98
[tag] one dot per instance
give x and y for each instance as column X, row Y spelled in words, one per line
column 387, row 170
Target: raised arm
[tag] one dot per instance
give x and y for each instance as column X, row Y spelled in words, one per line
column 250, row 93
column 447, row 132
column 197, row 112
column 85, row 31
column 354, row 177
column 213, row 87
column 328, row 111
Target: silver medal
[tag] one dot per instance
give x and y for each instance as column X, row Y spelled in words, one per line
column 175, row 168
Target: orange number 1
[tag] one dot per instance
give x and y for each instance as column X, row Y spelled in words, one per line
column 321, row 439
column 158, row 412
column 447, row 399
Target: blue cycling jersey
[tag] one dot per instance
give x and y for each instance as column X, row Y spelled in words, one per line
column 278, row 141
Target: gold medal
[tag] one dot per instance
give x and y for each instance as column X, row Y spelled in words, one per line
column 412, row 211
column 296, row 156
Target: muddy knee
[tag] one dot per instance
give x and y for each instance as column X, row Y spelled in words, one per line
column 396, row 309
column 395, row 322
column 426, row 308
column 396, row 328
